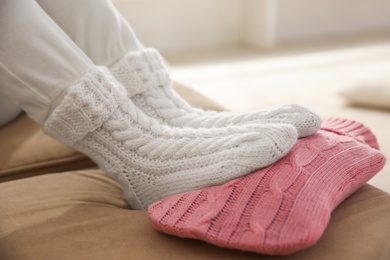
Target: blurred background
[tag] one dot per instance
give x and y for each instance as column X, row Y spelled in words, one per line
column 184, row 25
column 331, row 55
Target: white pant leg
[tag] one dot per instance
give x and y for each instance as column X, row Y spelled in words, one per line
column 38, row 61
column 8, row 111
column 95, row 26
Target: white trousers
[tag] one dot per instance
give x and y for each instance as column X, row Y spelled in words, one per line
column 46, row 45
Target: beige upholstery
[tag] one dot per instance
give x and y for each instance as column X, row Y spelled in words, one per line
column 82, row 215
column 26, row 151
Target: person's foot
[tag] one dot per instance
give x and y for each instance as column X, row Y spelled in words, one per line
column 147, row 81
column 152, row 160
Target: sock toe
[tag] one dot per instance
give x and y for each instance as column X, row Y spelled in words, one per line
column 305, row 120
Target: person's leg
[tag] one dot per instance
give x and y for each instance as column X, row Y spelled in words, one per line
column 37, row 59
column 83, row 106
column 95, row 26
column 8, row 111
column 151, row 160
column 104, row 35
column 146, row 78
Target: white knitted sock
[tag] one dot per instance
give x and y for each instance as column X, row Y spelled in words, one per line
column 146, row 78
column 151, row 160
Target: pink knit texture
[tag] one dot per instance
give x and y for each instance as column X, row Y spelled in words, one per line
column 285, row 207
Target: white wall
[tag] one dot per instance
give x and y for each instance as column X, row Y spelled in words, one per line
column 300, row 20
column 187, row 25
column 181, row 25
column 259, row 23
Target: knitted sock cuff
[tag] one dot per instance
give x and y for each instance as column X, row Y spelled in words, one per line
column 86, row 105
column 352, row 129
column 140, row 71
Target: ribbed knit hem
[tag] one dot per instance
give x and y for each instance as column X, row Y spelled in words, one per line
column 76, row 116
column 140, row 71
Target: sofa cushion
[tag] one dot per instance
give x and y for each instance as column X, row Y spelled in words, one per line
column 373, row 94
column 26, row 151
column 83, row 215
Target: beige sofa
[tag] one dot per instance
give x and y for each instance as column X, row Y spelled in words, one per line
column 54, row 204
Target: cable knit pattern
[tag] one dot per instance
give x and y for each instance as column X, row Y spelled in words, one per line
column 283, row 208
column 146, row 78
column 151, row 160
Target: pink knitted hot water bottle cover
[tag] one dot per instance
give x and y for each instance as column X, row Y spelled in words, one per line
column 285, row 207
